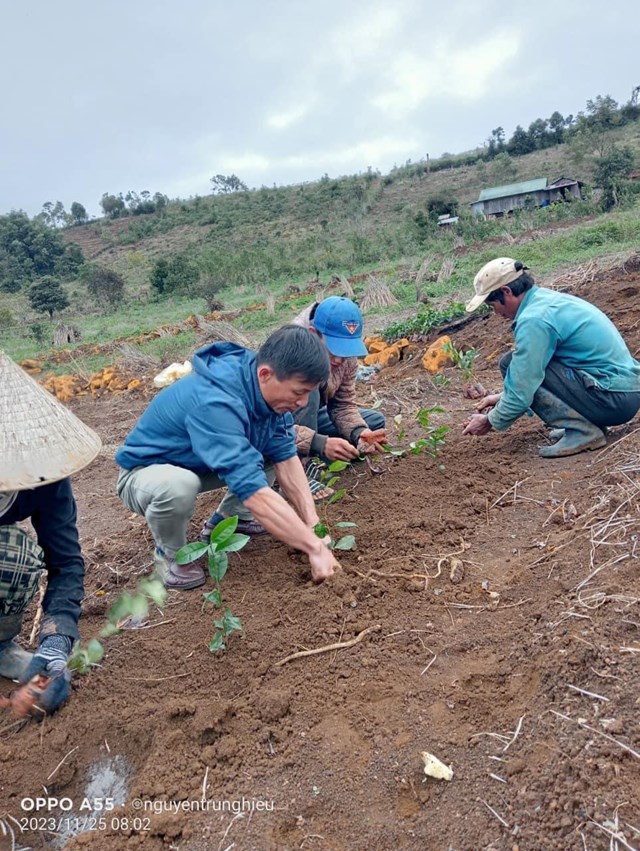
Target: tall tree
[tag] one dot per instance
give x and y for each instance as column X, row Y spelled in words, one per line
column 103, row 284
column 113, row 206
column 610, row 174
column 78, row 213
column 47, row 296
column 519, row 143
column 557, row 127
column 224, row 184
column 29, row 249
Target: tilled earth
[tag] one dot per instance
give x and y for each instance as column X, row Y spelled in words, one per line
column 520, row 671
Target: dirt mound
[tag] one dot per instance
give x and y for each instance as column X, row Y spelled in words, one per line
column 521, row 673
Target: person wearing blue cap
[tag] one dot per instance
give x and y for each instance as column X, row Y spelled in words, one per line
column 330, row 425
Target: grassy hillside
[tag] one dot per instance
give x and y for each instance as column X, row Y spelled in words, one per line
column 271, row 240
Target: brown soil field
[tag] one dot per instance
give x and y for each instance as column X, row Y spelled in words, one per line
column 522, row 675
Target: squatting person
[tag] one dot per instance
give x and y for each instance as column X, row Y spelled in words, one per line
column 570, row 364
column 228, row 422
column 43, row 443
column 330, row 425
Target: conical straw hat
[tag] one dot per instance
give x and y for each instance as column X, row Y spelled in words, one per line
column 41, row 441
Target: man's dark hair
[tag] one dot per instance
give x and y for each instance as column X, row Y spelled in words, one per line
column 294, row 350
column 517, row 287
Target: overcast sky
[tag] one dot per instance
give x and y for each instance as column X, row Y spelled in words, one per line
column 162, row 94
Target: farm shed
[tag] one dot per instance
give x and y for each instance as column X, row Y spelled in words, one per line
column 498, row 200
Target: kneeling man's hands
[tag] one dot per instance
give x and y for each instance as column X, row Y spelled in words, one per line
column 323, row 564
column 477, row 424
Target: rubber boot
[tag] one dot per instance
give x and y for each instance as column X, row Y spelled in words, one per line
column 579, row 434
column 14, row 661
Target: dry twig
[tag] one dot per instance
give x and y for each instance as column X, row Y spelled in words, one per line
column 339, row 645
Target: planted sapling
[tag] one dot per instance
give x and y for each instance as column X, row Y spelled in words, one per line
column 346, row 542
column 434, row 437
column 464, row 360
column 127, row 609
column 223, row 540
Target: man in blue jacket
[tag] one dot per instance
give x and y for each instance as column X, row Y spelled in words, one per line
column 570, row 364
column 42, row 443
column 229, row 422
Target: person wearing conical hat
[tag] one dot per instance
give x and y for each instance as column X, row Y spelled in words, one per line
column 569, row 365
column 41, row 445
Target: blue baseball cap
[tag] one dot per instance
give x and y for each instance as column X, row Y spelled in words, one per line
column 339, row 320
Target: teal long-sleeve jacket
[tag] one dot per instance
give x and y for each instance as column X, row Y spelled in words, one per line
column 549, row 325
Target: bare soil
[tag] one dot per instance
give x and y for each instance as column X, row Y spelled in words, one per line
column 522, row 674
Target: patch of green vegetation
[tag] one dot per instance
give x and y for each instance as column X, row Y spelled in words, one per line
column 425, row 321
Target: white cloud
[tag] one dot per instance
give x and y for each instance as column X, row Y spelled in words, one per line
column 463, row 73
column 287, row 118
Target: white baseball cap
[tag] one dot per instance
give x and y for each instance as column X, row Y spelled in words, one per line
column 495, row 274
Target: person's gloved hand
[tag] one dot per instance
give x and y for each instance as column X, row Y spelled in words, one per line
column 50, row 660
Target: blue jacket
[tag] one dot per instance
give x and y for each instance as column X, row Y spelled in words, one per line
column 556, row 325
column 213, row 420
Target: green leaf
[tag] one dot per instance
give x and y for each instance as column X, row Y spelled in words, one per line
column 218, row 565
column 231, row 623
column 332, row 481
column 344, row 524
column 191, row 552
column 217, row 642
column 108, row 630
column 321, row 530
column 214, row 597
column 234, row 543
column 95, row 651
column 348, row 542
column 377, row 404
column 154, row 589
column 338, row 466
column 337, row 496
column 121, row 608
column 139, row 606
column 224, row 530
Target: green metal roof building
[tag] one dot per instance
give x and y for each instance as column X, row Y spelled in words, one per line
column 500, row 200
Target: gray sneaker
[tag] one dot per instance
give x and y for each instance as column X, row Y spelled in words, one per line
column 14, row 661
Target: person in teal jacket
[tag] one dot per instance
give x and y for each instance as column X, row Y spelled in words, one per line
column 228, row 422
column 569, row 365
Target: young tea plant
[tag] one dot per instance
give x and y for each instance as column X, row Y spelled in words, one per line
column 327, row 477
column 434, row 436
column 128, row 607
column 222, row 541
column 462, row 359
column 346, row 542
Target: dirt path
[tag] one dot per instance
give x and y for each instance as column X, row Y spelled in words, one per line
column 523, row 675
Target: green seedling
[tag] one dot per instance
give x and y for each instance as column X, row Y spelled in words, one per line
column 83, row 658
column 222, row 541
column 134, row 607
column 347, row 542
column 128, row 607
column 462, row 359
column 397, row 420
column 440, row 380
column 329, row 478
column 434, row 437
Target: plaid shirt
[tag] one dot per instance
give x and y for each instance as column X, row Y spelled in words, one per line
column 52, row 511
